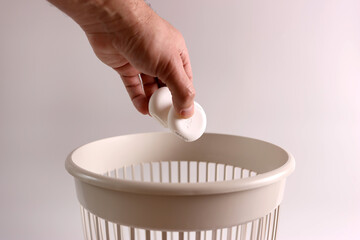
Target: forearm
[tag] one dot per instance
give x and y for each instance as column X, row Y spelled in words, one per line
column 116, row 15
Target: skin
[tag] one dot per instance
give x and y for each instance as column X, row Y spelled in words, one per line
column 131, row 38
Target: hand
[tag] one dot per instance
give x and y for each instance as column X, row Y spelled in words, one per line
column 132, row 39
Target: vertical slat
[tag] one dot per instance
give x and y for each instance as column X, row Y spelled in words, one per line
column 83, row 222
column 268, row 228
column 237, row 232
column 118, row 233
column 114, row 229
column 263, row 228
column 242, row 173
column 94, row 226
column 97, row 229
column 101, row 234
column 100, row 230
column 181, row 235
column 107, row 230
column 122, row 233
column 90, row 229
column 116, row 173
column 253, row 231
column 124, row 172
column 225, row 172
column 274, row 224
column 259, row 229
column 243, row 232
column 277, row 221
column 132, row 172
column 179, row 171
column 221, row 233
column 233, row 172
column 142, row 172
column 137, row 235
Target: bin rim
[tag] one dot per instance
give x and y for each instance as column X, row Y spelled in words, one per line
column 180, row 189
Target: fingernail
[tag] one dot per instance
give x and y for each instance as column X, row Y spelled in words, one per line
column 187, row 112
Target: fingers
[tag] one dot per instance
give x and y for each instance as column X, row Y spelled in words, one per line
column 180, row 85
column 136, row 93
column 150, row 85
column 186, row 63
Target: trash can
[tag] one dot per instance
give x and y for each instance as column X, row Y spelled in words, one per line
column 154, row 186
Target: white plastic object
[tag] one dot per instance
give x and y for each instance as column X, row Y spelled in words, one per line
column 154, row 186
column 161, row 108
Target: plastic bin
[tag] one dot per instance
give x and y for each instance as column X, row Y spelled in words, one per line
column 154, row 186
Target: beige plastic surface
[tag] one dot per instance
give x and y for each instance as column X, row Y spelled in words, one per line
column 156, row 181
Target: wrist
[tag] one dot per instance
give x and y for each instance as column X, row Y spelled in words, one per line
column 123, row 12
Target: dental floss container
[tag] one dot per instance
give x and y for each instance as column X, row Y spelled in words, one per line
column 162, row 109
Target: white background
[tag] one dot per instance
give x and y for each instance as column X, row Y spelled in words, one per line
column 287, row 72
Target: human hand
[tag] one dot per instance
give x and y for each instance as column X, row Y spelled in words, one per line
column 132, row 39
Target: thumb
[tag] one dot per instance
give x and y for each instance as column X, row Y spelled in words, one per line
column 180, row 86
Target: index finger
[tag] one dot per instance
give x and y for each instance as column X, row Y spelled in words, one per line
column 180, row 86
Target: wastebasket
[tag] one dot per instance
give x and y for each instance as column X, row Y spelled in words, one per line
column 154, row 186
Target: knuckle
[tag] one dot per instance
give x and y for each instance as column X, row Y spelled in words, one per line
column 190, row 75
column 178, row 34
column 164, row 68
column 191, row 93
column 188, row 94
